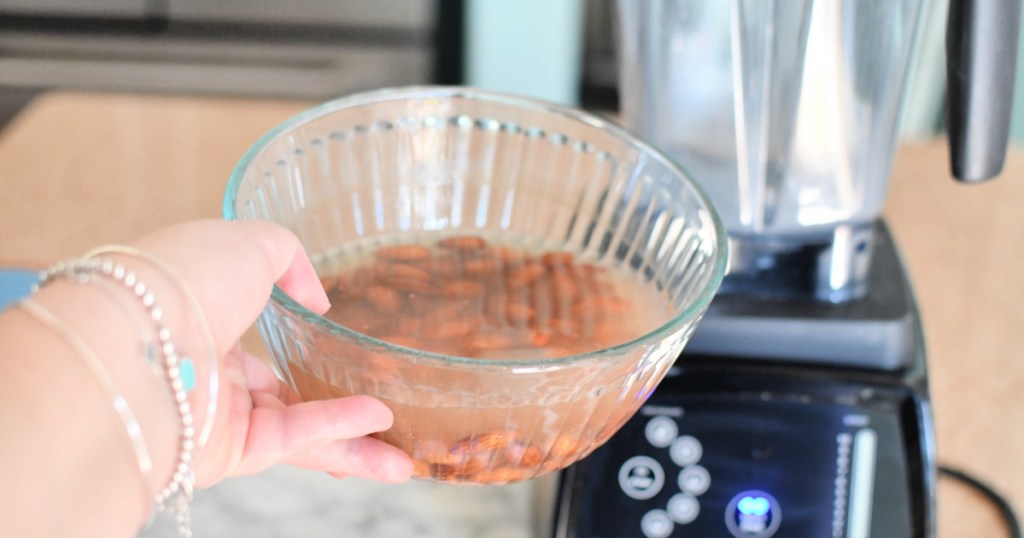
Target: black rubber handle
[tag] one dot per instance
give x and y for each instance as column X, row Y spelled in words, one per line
column 981, row 58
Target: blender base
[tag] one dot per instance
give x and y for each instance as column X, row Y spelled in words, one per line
column 878, row 330
column 784, row 417
column 747, row 449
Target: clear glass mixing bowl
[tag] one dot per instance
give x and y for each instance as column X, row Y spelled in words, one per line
column 410, row 165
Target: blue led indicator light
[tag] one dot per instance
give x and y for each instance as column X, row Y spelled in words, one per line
column 753, row 506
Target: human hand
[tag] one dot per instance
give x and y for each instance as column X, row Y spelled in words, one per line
column 231, row 268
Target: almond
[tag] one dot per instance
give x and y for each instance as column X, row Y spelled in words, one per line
column 479, row 266
column 464, row 288
column 388, row 271
column 564, row 446
column 463, row 242
column 518, row 312
column 557, row 259
column 525, row 274
column 483, row 442
column 563, row 286
column 522, row 455
column 403, row 253
column 384, row 299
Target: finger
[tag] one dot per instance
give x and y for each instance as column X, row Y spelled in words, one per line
column 275, row 432
column 364, row 457
column 259, row 377
column 338, row 418
column 232, row 266
column 267, row 400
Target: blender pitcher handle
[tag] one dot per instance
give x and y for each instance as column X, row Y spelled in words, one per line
column 981, row 57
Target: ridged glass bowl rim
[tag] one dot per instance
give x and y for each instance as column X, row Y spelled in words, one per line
column 282, row 299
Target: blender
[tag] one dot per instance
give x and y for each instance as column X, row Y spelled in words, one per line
column 800, row 406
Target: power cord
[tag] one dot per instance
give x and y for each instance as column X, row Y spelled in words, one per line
column 1003, row 505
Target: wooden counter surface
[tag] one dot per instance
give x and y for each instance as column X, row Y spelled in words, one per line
column 77, row 170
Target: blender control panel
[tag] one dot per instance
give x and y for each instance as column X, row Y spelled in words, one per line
column 745, row 464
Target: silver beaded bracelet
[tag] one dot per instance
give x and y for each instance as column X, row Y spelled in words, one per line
column 203, row 325
column 178, row 370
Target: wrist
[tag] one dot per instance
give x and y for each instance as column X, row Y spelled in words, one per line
column 168, row 317
column 110, row 337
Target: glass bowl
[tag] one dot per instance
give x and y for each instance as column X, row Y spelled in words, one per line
column 402, row 196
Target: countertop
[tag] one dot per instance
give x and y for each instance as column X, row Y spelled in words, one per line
column 81, row 169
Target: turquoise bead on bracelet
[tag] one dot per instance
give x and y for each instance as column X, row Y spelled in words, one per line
column 188, row 374
column 179, row 372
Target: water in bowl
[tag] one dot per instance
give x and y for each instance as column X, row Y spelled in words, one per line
column 467, row 296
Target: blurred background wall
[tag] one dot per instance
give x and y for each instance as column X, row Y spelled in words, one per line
column 561, row 50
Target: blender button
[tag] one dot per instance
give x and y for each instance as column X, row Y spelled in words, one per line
column 683, row 508
column 694, row 479
column 686, row 450
column 641, row 477
column 656, row 524
column 661, row 431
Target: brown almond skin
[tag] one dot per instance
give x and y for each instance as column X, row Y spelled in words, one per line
column 480, row 266
column 464, row 288
column 444, row 472
column 434, row 452
column 526, row 456
column 540, row 338
column 445, row 265
column 518, row 312
column 449, row 309
column 557, row 259
column 331, row 283
column 403, row 253
column 409, row 326
column 362, row 278
column 532, row 457
column 463, row 242
column 506, row 253
column 421, row 468
column 390, row 270
column 564, row 446
column 563, row 286
column 525, row 274
column 479, row 443
column 384, row 299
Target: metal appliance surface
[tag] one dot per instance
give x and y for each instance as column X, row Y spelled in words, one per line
column 308, row 49
column 784, row 111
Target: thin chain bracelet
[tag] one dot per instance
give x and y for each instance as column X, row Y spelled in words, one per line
column 178, row 371
column 95, row 365
column 204, row 325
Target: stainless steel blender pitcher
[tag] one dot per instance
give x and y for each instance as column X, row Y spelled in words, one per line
column 787, row 112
